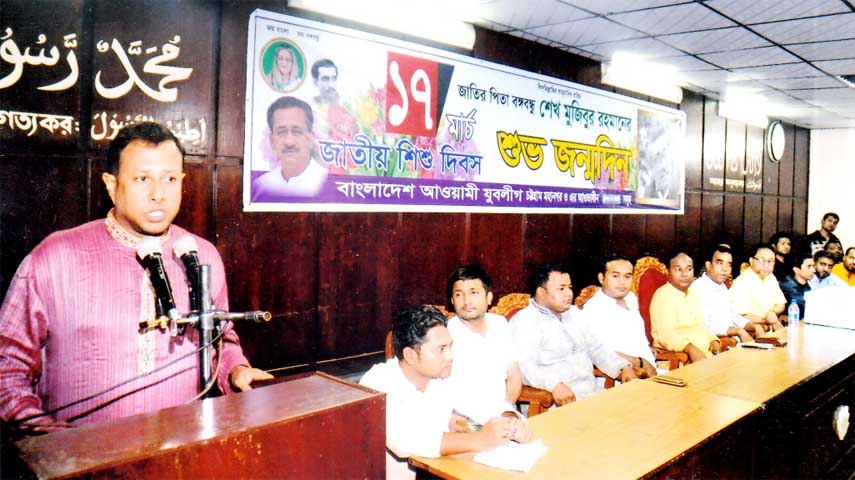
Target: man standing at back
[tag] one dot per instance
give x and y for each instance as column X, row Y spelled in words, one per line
column 486, row 378
column 676, row 315
column 782, row 244
column 557, row 349
column 719, row 316
column 612, row 314
column 817, row 240
column 755, row 293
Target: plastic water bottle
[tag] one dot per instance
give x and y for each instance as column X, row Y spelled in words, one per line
column 793, row 314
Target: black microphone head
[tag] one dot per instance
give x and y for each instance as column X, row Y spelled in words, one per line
column 148, row 246
column 184, row 245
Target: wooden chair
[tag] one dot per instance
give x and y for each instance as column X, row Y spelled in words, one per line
column 586, row 295
column 510, row 304
column 650, row 274
column 442, row 310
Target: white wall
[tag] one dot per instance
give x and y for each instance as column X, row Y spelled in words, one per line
column 832, row 181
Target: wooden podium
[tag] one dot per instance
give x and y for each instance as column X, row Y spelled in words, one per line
column 308, row 426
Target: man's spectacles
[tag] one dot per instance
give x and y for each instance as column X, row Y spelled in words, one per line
column 765, row 261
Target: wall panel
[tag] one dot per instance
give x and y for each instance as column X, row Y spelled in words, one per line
column 592, row 239
column 770, row 218
column 801, row 153
column 712, row 225
column 753, row 220
column 688, row 228
column 714, row 147
column 693, row 105
column 496, row 242
column 735, row 157
column 546, row 236
column 785, row 168
column 359, row 280
column 733, row 224
column 785, row 214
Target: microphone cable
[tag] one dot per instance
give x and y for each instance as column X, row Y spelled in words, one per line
column 20, row 422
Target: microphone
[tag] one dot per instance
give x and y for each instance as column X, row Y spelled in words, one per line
column 148, row 250
column 257, row 316
column 186, row 249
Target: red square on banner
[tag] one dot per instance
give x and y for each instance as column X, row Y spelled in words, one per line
column 411, row 92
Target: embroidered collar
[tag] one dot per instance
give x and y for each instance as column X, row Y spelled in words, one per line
column 122, row 236
column 545, row 311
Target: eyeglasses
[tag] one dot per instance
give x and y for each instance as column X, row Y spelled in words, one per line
column 765, row 261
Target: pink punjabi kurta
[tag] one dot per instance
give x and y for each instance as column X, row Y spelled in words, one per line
column 69, row 328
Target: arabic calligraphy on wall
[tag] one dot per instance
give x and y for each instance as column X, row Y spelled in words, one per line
column 71, row 78
column 11, row 53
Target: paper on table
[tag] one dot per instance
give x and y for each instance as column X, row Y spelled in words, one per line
column 513, row 456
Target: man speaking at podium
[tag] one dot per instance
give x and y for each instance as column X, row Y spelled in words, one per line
column 69, row 325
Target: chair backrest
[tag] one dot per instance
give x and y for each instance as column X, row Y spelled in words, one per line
column 510, row 304
column 442, row 310
column 388, row 349
column 586, row 295
column 649, row 274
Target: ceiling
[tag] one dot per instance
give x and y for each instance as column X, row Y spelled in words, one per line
column 787, row 51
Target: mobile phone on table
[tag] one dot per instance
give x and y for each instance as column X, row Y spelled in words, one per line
column 677, row 382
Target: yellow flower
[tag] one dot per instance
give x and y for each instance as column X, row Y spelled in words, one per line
column 368, row 111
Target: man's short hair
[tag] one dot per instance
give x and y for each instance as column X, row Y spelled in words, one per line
column 848, row 250
column 800, row 258
column 831, row 214
column 411, row 325
column 148, row 132
column 674, row 253
column 823, row 254
column 760, row 246
column 540, row 276
column 612, row 257
column 322, row 63
column 832, row 242
column 779, row 235
column 468, row 272
column 720, row 248
column 282, row 103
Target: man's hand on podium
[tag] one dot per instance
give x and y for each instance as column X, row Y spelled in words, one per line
column 242, row 377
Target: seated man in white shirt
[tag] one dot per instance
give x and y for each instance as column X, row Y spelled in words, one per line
column 557, row 350
column 485, row 378
column 719, row 316
column 612, row 314
column 419, row 414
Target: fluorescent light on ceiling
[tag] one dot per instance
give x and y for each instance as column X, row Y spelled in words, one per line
column 744, row 107
column 631, row 72
column 419, row 19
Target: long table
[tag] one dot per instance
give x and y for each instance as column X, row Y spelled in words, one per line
column 745, row 413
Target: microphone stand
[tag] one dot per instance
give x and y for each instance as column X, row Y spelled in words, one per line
column 206, row 320
column 205, row 326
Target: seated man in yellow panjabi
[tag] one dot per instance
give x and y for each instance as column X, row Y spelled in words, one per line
column 756, row 294
column 676, row 313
